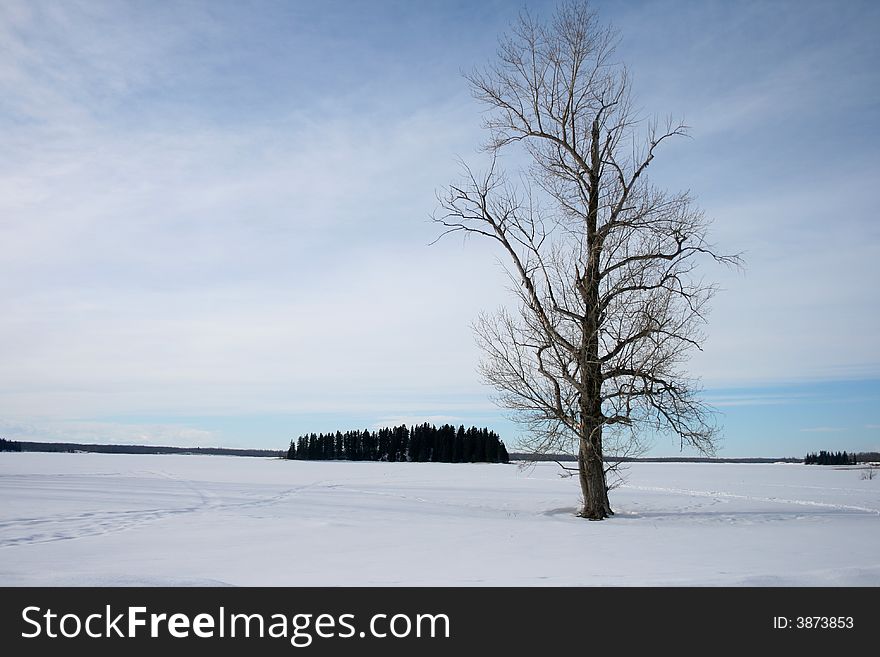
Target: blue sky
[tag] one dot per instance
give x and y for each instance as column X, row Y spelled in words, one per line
column 214, row 216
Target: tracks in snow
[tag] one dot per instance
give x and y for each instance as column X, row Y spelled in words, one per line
column 82, row 524
column 720, row 496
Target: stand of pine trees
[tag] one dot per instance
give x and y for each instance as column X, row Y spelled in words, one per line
column 421, row 443
column 830, row 458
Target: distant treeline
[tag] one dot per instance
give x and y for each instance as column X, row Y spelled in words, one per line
column 9, row 445
column 421, row 443
column 830, row 458
column 25, row 446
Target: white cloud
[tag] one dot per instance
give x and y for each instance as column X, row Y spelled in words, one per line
column 803, row 309
column 752, row 399
column 109, row 433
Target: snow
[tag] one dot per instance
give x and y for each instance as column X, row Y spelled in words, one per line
column 112, row 520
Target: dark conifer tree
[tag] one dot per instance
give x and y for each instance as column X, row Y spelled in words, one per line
column 458, row 445
column 423, row 449
column 467, row 452
column 412, row 451
column 492, row 448
column 402, row 441
column 447, row 440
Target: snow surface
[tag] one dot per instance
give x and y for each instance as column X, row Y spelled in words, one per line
column 107, row 520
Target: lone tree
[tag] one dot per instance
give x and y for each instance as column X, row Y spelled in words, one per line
column 603, row 263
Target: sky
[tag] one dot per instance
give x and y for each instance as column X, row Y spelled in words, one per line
column 215, row 216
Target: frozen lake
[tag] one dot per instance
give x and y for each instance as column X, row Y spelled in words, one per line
column 107, row 520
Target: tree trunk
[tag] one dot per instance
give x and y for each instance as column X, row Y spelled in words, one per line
column 591, row 466
column 591, row 470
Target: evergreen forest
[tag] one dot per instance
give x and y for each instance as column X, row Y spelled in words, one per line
column 421, row 443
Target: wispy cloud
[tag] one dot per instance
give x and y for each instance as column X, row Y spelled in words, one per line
column 109, row 432
column 769, row 398
column 823, row 429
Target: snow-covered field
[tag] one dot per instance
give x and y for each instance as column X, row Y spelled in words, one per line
column 94, row 519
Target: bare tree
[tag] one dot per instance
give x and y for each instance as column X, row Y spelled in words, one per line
column 602, row 262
